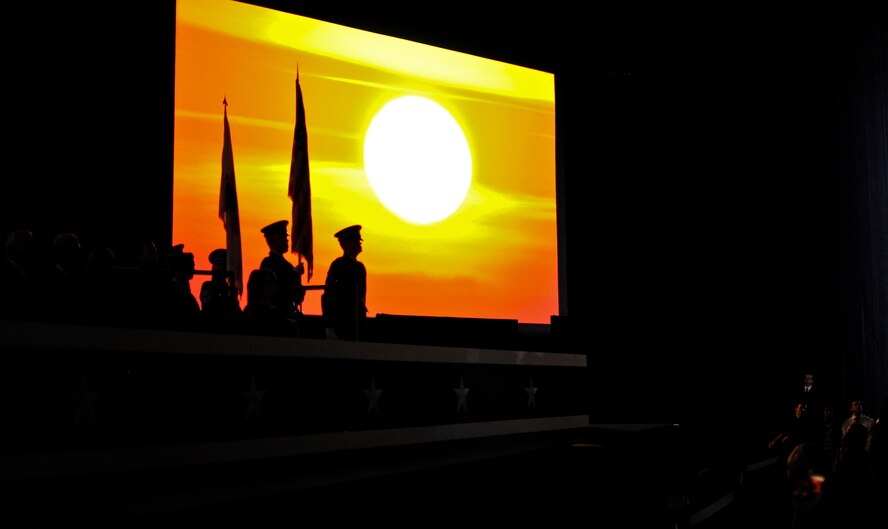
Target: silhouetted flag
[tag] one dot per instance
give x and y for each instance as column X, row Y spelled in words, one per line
column 228, row 210
column 300, row 187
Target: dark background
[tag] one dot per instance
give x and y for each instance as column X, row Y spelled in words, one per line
column 722, row 175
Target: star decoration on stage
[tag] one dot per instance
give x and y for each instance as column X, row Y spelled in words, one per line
column 461, row 392
column 84, row 402
column 254, row 398
column 372, row 396
column 531, row 395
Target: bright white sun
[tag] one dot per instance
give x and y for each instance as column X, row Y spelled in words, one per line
column 417, row 159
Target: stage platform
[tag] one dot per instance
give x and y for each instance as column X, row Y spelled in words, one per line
column 111, row 427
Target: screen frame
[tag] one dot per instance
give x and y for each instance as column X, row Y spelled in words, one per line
column 405, row 29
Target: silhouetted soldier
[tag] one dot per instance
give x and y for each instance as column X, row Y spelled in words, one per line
column 219, row 305
column 289, row 291
column 344, row 301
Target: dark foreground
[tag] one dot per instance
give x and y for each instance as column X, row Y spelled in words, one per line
column 604, row 476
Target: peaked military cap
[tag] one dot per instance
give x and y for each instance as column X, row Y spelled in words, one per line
column 352, row 232
column 276, row 227
column 218, row 256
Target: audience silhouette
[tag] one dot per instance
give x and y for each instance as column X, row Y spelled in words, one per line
column 857, row 416
column 806, row 469
column 832, row 431
column 833, row 469
column 848, row 489
column 801, row 428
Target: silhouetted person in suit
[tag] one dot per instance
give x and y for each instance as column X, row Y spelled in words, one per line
column 261, row 316
column 219, row 304
column 289, row 292
column 810, row 393
column 344, row 301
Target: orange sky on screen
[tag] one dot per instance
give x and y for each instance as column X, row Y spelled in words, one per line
column 495, row 257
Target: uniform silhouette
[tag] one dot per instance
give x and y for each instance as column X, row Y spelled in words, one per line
column 219, row 304
column 344, row 301
column 289, row 291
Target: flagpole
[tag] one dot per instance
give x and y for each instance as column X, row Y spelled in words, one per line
column 228, row 206
column 299, row 188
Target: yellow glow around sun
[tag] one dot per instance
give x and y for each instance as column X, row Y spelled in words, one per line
column 417, row 159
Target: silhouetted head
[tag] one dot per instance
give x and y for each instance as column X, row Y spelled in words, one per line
column 351, row 232
column 350, row 240
column 276, row 236
column 219, row 263
column 219, row 256
column 181, row 262
column 856, row 407
column 809, row 379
